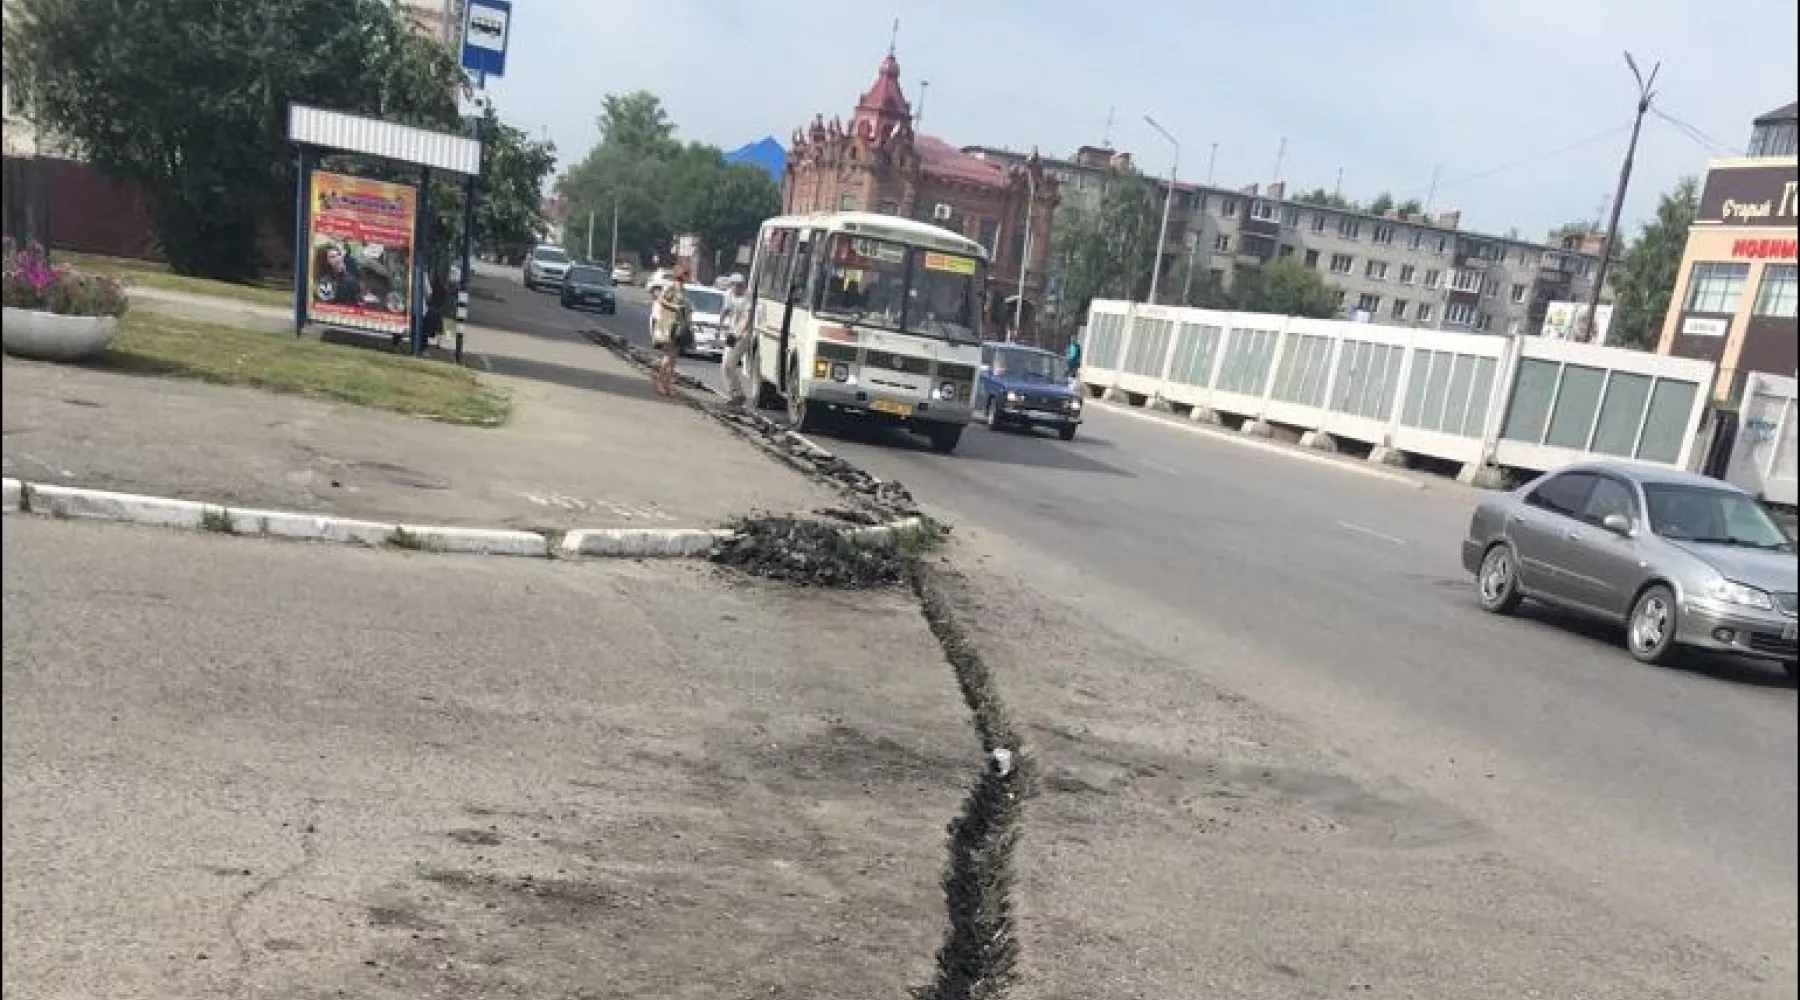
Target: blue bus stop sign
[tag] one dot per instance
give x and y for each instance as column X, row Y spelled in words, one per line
column 485, row 31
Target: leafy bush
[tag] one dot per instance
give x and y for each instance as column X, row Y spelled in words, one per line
column 32, row 282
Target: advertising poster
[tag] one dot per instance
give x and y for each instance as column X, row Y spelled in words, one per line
column 1563, row 321
column 362, row 253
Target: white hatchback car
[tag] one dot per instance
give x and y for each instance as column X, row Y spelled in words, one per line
column 546, row 266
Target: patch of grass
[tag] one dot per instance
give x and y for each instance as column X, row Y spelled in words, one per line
column 150, row 274
column 403, row 539
column 216, row 519
column 150, row 343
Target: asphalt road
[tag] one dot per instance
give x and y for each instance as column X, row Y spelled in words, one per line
column 1336, row 599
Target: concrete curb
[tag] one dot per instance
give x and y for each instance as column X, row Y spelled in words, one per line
column 193, row 515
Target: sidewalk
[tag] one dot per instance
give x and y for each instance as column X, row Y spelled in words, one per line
column 589, row 445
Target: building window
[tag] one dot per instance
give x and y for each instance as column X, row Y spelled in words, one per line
column 1264, row 211
column 1465, row 281
column 1338, row 296
column 1399, row 311
column 1312, row 259
column 1318, row 222
column 1222, row 243
column 1489, row 288
column 1459, row 314
column 846, row 202
column 1443, row 244
column 1376, row 270
column 988, row 233
column 1342, row 263
column 1518, row 294
column 1716, row 288
column 1228, row 208
column 1483, row 321
column 1505, row 254
column 1776, row 295
column 1384, row 234
column 1368, row 303
column 888, row 208
column 1406, row 274
column 1418, row 239
column 1431, row 279
column 1349, row 228
column 1424, row 314
column 1290, row 217
column 1286, row 251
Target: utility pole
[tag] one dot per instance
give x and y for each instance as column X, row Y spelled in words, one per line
column 1645, row 95
column 615, row 233
column 1212, row 160
column 1024, row 256
column 1280, row 158
column 919, row 113
column 1431, row 192
column 590, row 237
column 1162, row 232
column 1337, row 187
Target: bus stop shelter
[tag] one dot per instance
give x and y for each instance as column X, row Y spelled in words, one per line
column 360, row 244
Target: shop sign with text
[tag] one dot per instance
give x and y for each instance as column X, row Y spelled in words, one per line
column 1749, row 196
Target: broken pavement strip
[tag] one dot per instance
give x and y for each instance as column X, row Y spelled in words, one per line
column 197, row 515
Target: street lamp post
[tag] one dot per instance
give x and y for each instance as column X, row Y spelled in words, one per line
column 1645, row 96
column 1162, row 232
column 1024, row 255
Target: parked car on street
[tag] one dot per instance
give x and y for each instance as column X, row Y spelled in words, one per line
column 1026, row 387
column 623, row 274
column 589, row 287
column 1679, row 559
column 545, row 265
column 706, row 305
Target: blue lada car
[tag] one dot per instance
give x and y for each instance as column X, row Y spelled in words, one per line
column 1026, row 387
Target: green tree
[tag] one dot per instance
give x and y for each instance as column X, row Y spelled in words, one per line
column 1411, row 206
column 1579, row 227
column 662, row 187
column 1107, row 251
column 1645, row 276
column 1381, row 204
column 1286, row 287
column 509, row 200
column 190, row 101
column 1324, row 199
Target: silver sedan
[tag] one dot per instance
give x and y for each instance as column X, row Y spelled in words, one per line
column 1677, row 558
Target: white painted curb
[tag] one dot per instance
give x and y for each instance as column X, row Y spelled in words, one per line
column 195, row 515
column 642, row 542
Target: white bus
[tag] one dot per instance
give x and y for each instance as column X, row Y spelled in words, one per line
column 869, row 317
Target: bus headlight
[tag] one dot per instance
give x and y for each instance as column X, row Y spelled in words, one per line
column 1013, row 397
column 840, row 372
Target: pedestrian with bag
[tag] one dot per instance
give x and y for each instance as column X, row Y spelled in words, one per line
column 674, row 326
column 736, row 320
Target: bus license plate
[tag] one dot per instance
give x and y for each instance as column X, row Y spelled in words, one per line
column 889, row 406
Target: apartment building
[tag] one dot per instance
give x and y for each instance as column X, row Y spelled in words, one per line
column 1738, row 287
column 440, row 19
column 1388, row 268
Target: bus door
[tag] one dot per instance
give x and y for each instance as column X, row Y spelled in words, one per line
column 793, row 298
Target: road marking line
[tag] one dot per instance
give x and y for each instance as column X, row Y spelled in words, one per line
column 1226, row 437
column 1371, row 532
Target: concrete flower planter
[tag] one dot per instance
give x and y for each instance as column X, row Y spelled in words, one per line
column 50, row 337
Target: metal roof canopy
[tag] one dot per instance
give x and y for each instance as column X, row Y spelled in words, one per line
column 454, row 154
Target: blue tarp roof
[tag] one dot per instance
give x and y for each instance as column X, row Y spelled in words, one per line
column 766, row 153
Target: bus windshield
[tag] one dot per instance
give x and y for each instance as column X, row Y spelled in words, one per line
column 881, row 283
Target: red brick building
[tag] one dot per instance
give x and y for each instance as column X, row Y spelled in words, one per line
column 877, row 163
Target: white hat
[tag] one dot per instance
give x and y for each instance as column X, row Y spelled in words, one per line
column 735, row 279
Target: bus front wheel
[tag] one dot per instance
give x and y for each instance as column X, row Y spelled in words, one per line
column 800, row 416
column 944, row 437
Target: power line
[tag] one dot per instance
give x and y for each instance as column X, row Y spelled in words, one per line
column 1700, row 138
column 1540, row 157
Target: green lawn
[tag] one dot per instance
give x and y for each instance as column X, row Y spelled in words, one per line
column 149, row 274
column 155, row 344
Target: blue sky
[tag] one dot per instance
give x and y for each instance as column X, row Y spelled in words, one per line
column 1522, row 105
